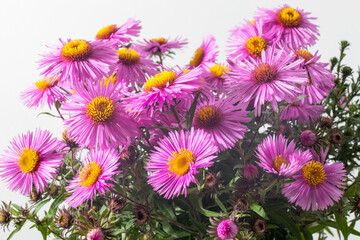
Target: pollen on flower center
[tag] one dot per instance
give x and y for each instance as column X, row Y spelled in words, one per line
column 181, row 161
column 89, row 174
column 219, row 70
column 76, row 50
column 264, row 73
column 208, row 117
column 305, row 54
column 112, row 80
column 289, row 17
column 106, row 32
column 197, row 58
column 278, row 162
column 160, row 80
column 100, row 109
column 29, row 159
column 314, row 173
column 160, row 40
column 255, row 45
column 128, row 56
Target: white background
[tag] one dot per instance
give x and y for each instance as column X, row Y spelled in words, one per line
column 27, row 26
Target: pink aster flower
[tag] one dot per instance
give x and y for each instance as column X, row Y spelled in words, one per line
column 43, row 92
column 78, row 61
column 223, row 229
column 205, row 54
column 216, row 78
column 222, row 120
column 31, row 161
column 301, row 112
column 317, row 185
column 162, row 88
column 98, row 167
column 177, row 158
column 132, row 67
column 160, row 45
column 291, row 27
column 119, row 35
column 320, row 79
column 98, row 118
column 273, row 78
column 278, row 157
column 248, row 40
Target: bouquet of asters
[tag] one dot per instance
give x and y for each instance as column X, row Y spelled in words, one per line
column 262, row 146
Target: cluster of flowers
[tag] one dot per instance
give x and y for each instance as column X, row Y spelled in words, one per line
column 114, row 92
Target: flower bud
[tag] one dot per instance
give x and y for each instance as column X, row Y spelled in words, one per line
column 326, row 122
column 259, row 226
column 308, row 138
column 227, row 229
column 336, row 137
column 116, row 205
column 250, row 172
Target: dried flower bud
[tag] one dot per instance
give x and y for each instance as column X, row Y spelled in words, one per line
column 116, row 205
column 259, row 226
column 141, row 214
column 5, row 217
column 241, row 204
column 336, row 137
column 250, row 172
column 68, row 141
column 64, row 219
column 53, row 190
column 212, row 182
column 308, row 138
column 283, row 129
column 35, row 196
column 127, row 156
column 326, row 122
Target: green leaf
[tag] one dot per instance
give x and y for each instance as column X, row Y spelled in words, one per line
column 259, row 210
column 18, row 228
column 190, row 116
column 220, row 204
column 40, row 205
column 165, row 208
column 47, row 113
column 54, row 206
column 341, row 222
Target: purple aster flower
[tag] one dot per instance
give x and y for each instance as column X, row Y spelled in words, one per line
column 273, row 78
column 301, row 112
column 291, row 27
column 119, row 35
column 317, row 185
column 177, row 158
column 162, row 88
column 248, row 40
column 222, row 120
column 43, row 92
column 31, row 161
column 132, row 67
column 98, row 118
column 278, row 157
column 98, row 168
column 78, row 61
column 223, row 229
column 160, row 45
column 205, row 54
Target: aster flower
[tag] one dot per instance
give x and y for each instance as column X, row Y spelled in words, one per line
column 248, row 40
column 162, row 88
column 221, row 119
column 99, row 167
column 98, row 118
column 289, row 26
column 216, row 79
column 31, row 161
column 160, row 45
column 320, row 79
column 43, row 92
column 132, row 67
column 119, row 35
column 317, row 185
column 205, row 54
column 223, row 229
column 301, row 112
column 78, row 61
column 269, row 78
column 278, row 157
column 176, row 160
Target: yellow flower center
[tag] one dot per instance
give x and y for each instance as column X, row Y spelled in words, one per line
column 100, row 109
column 278, row 162
column 197, row 58
column 314, row 173
column 219, row 71
column 112, row 80
column 208, row 117
column 89, row 174
column 160, row 81
column 305, row 54
column 289, row 17
column 181, row 161
column 264, row 73
column 255, row 45
column 28, row 159
column 128, row 56
column 106, row 32
column 160, row 40
column 76, row 50
column 44, row 84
